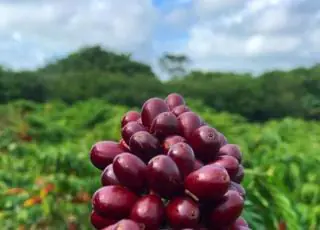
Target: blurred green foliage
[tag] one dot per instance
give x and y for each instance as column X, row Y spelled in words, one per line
column 46, row 178
column 50, row 117
column 93, row 72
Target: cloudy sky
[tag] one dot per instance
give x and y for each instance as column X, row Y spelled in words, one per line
column 242, row 35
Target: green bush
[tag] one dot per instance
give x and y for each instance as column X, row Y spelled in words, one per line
column 44, row 157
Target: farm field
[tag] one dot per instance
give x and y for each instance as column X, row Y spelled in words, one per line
column 46, row 178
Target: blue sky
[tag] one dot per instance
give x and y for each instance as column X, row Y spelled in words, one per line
column 232, row 35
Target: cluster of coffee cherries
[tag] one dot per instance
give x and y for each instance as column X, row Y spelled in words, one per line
column 170, row 170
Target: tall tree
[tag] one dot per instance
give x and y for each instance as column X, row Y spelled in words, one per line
column 175, row 65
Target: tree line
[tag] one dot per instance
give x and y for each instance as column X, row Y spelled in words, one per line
column 93, row 72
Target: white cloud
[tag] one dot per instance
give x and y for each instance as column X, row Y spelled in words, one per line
column 270, row 33
column 260, row 5
column 264, row 45
column 205, row 43
column 16, row 36
column 315, row 40
column 273, row 20
column 123, row 25
column 220, row 34
column 211, row 6
column 177, row 17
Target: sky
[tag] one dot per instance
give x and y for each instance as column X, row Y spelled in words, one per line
column 222, row 35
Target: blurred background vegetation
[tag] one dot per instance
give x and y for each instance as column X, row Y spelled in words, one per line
column 50, row 117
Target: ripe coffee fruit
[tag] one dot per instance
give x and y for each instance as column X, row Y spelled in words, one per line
column 188, row 122
column 108, row 177
column 103, row 153
column 231, row 150
column 171, row 140
column 173, row 100
column 152, row 108
column 180, row 110
column 130, row 171
column 124, row 145
column 100, row 222
column 129, row 129
column 113, row 201
column 170, row 170
column 183, row 212
column 130, row 116
column 238, row 188
column 164, row 125
column 164, row 177
column 205, row 142
column 223, row 140
column 144, row 145
column 240, row 224
column 149, row 210
column 197, row 165
column 230, row 163
column 227, row 212
column 125, row 224
column 240, row 175
column 182, row 154
column 208, row 183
